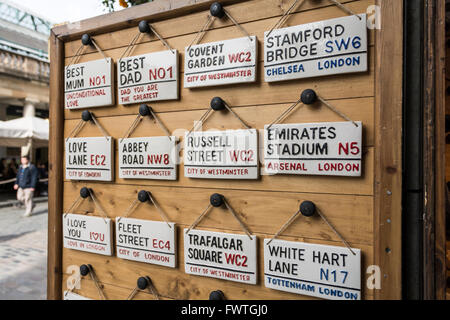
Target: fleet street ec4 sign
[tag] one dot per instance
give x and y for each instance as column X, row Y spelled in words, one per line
column 154, row 158
column 328, row 272
column 220, row 63
column 148, row 77
column 231, row 154
column 321, row 48
column 146, row 241
column 90, row 234
column 220, row 255
column 89, row 84
column 325, row 148
column 89, row 158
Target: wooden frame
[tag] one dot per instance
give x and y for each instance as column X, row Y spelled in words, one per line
column 388, row 124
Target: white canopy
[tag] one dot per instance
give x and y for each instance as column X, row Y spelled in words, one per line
column 18, row 132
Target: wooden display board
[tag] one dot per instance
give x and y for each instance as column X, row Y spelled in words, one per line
column 366, row 210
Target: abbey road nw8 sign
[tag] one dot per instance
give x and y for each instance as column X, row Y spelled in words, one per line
column 230, row 154
column 326, row 148
column 68, row 295
column 148, row 158
column 219, row 63
column 220, row 255
column 86, row 233
column 148, row 77
column 316, row 49
column 89, row 158
column 89, row 84
column 313, row 270
column 146, row 241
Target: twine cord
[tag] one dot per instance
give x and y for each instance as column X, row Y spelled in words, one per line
column 98, row 205
column 342, row 115
column 196, row 222
column 284, row 17
column 73, row 206
column 76, row 130
column 235, row 114
column 161, row 124
column 237, row 24
column 285, row 113
column 161, row 212
column 202, row 119
column 345, row 8
column 133, row 126
column 96, row 282
column 105, row 134
column 207, row 24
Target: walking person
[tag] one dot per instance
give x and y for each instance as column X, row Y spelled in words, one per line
column 26, row 182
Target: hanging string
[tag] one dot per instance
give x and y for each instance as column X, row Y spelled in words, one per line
column 130, row 46
column 98, row 49
column 345, row 8
column 105, row 134
column 132, row 127
column 202, row 119
column 138, row 120
column 235, row 114
column 200, row 217
column 77, row 56
column 94, row 278
column 202, row 31
column 98, row 206
column 161, row 212
column 342, row 115
column 237, row 24
column 150, row 287
column 161, row 38
column 161, row 125
column 129, row 210
column 284, row 227
column 285, row 16
column 285, row 113
column 73, row 206
column 77, row 129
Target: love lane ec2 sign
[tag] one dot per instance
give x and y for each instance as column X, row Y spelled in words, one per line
column 86, row 233
column 220, row 255
column 148, row 77
column 89, row 158
column 146, row 241
column 89, row 84
column 325, row 148
column 316, row 49
column 327, row 272
column 230, row 154
column 153, row 158
column 220, row 63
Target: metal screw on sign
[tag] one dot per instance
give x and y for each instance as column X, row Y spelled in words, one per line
column 144, row 27
column 216, row 295
column 86, row 39
column 217, row 10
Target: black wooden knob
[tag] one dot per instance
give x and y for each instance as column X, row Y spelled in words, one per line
column 216, row 295
column 217, row 200
column 86, row 116
column 86, row 39
column 144, row 27
column 216, row 10
column 143, row 283
column 309, row 96
column 85, row 269
column 144, row 110
column 85, row 192
column 143, row 196
column 308, row 208
column 217, row 104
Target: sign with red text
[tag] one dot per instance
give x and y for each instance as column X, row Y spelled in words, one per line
column 325, row 148
column 146, row 241
column 220, row 255
column 89, row 84
column 153, row 158
column 230, row 154
column 220, row 63
column 86, row 233
column 148, row 77
column 316, row 49
column 327, row 272
column 68, row 295
column 89, row 158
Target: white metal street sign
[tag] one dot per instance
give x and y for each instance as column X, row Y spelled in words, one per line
column 220, row 63
column 230, row 154
column 225, row 256
column 68, row 295
column 154, row 158
column 321, row 271
column 148, row 77
column 89, row 158
column 325, row 148
column 146, row 241
column 89, row 84
column 86, row 233
column 316, row 49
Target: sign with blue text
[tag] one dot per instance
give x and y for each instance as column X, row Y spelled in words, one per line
column 324, row 148
column 148, row 77
column 87, row 233
column 220, row 255
column 321, row 271
column 220, row 63
column 230, row 154
column 153, row 158
column 89, row 84
column 89, row 158
column 146, row 241
column 316, row 49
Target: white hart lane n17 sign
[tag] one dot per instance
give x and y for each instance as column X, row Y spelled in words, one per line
column 89, row 84
column 316, row 49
